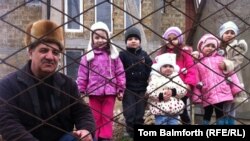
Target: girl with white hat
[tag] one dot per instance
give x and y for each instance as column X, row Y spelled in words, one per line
column 234, row 50
column 101, row 77
column 165, row 90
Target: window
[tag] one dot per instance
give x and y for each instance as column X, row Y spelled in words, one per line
column 164, row 3
column 73, row 9
column 72, row 60
column 33, row 2
column 103, row 12
column 127, row 19
column 198, row 2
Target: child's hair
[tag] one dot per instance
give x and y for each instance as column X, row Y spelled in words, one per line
column 176, row 31
column 207, row 39
column 112, row 49
column 132, row 32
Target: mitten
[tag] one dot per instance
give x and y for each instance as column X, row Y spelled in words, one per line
column 196, row 54
column 229, row 80
column 243, row 44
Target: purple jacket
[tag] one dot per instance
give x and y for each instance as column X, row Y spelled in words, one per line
column 102, row 75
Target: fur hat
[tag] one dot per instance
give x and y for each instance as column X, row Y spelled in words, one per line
column 102, row 26
column 176, row 31
column 228, row 26
column 46, row 31
column 166, row 59
column 132, row 32
column 207, row 39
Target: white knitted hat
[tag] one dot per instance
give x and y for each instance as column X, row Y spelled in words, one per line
column 228, row 26
column 166, row 59
column 113, row 50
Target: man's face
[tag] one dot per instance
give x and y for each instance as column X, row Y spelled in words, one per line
column 44, row 59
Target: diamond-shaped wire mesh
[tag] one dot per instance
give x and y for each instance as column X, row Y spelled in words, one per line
column 195, row 19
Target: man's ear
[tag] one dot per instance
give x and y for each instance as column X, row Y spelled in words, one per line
column 30, row 52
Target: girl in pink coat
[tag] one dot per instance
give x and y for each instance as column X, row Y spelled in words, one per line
column 215, row 89
column 173, row 43
column 101, row 77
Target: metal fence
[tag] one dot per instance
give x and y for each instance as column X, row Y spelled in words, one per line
column 195, row 111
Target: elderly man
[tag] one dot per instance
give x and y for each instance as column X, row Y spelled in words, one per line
column 39, row 103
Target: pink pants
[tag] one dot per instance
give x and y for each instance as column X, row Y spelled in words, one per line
column 102, row 108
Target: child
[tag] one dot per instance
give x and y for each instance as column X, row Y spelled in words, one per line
column 174, row 44
column 137, row 66
column 101, row 77
column 214, row 91
column 235, row 51
column 165, row 91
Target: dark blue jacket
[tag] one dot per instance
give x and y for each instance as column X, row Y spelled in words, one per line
column 137, row 65
column 24, row 117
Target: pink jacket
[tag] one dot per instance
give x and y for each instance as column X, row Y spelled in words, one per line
column 105, row 76
column 215, row 88
column 187, row 68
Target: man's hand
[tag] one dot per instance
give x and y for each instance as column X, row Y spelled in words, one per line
column 83, row 135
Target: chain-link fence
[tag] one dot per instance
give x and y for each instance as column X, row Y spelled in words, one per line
column 195, row 18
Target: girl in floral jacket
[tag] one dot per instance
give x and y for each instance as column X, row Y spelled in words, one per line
column 101, row 77
column 165, row 90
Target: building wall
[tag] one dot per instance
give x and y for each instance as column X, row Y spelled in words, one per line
column 20, row 14
column 171, row 17
column 16, row 15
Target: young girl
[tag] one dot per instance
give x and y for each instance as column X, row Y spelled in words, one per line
column 165, row 91
column 174, row 44
column 235, row 51
column 215, row 90
column 101, row 77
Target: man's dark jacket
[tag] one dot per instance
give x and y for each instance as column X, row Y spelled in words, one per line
column 25, row 117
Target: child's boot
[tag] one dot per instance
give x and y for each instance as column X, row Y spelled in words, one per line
column 205, row 122
column 221, row 121
column 231, row 121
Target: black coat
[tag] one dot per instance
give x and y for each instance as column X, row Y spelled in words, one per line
column 137, row 65
column 23, row 115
